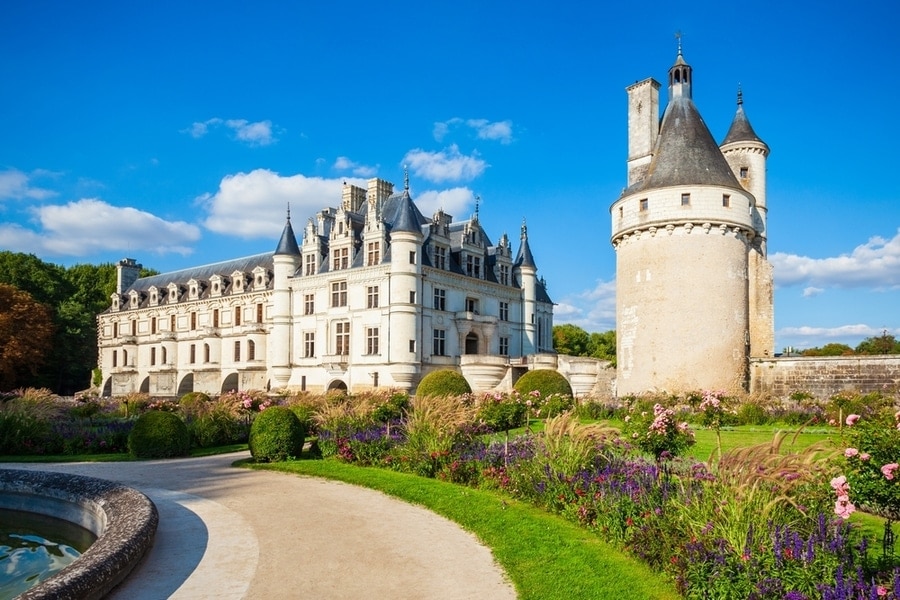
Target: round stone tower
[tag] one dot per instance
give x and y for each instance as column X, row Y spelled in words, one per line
column 683, row 231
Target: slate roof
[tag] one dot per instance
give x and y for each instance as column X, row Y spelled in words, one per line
column 288, row 242
column 203, row 273
column 741, row 130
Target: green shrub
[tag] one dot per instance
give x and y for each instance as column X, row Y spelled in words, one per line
column 276, row 434
column 502, row 412
column 393, row 409
column 159, row 434
column 545, row 381
column 445, row 382
column 751, row 413
column 555, row 405
column 217, row 427
column 193, row 402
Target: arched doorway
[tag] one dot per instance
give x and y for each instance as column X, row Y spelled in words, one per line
column 107, row 388
column 471, row 343
column 337, row 386
column 186, row 386
column 145, row 386
column 230, row 384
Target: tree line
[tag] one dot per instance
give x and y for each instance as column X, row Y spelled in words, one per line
column 572, row 340
column 48, row 321
column 878, row 344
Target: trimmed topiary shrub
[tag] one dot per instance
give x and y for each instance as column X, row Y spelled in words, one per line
column 276, row 434
column 545, row 381
column 445, row 382
column 159, row 434
column 193, row 402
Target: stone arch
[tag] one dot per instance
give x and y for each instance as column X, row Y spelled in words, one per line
column 337, row 386
column 230, row 383
column 471, row 343
column 186, row 386
column 107, row 388
column 145, row 385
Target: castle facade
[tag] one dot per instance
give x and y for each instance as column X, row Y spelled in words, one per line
column 376, row 295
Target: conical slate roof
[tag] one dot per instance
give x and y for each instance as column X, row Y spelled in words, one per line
column 288, row 242
column 524, row 258
column 741, row 130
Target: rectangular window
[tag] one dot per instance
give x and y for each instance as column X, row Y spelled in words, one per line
column 237, row 315
column 745, row 172
column 172, row 323
column 439, row 342
column 472, row 305
column 685, row 199
column 373, row 253
column 237, row 351
column 259, row 313
column 115, row 358
column 726, row 200
column 504, row 274
column 152, row 356
column 342, row 338
column 193, row 321
column 309, row 264
column 621, row 212
column 153, row 325
column 412, row 297
column 206, row 353
column 116, row 329
column 215, row 317
column 371, row 340
column 193, row 358
column 412, row 257
column 644, row 204
column 440, row 299
column 412, row 345
column 339, row 293
column 309, row 344
column 309, row 304
column 473, row 266
column 440, row 257
column 372, row 296
column 504, row 311
column 504, row 346
column 340, row 259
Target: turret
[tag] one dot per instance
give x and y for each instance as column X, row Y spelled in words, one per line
column 525, row 271
column 286, row 262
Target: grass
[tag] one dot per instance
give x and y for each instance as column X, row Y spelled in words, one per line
column 545, row 556
column 111, row 457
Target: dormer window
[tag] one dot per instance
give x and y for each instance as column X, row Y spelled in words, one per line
column 260, row 278
column 238, row 278
column 134, row 299
column 154, row 297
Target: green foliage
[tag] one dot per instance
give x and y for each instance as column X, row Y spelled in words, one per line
column 276, row 435
column 571, row 340
column 655, row 430
column 832, row 349
column 26, row 423
column 393, row 409
column 97, row 377
column 444, row 382
column 159, row 434
column 603, row 346
column 217, row 425
column 555, row 405
column 545, row 381
column 193, row 403
column 873, row 443
column 502, row 412
column 882, row 344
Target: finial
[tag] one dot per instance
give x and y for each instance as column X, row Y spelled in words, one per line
column 405, row 178
column 678, row 36
column 524, row 229
column 477, row 200
column 288, row 211
column 740, row 95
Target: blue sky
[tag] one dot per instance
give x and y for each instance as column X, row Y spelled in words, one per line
column 177, row 132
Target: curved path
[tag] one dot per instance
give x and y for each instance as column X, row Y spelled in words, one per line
column 229, row 533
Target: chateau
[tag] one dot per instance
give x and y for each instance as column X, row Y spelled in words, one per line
column 377, row 295
column 694, row 290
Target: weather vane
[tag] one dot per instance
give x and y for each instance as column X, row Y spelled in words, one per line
column 678, row 36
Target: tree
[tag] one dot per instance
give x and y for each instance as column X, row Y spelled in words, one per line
column 832, row 349
column 603, row 345
column 881, row 344
column 26, row 335
column 571, row 340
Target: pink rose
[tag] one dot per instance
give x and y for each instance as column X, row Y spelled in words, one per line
column 839, row 484
column 843, row 507
column 888, row 470
column 851, row 452
column 851, row 420
column 865, row 456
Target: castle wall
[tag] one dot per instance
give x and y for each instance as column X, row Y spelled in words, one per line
column 823, row 376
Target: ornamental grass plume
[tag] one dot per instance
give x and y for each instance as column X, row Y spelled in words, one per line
column 569, row 447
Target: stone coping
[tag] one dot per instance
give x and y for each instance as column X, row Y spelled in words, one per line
column 123, row 519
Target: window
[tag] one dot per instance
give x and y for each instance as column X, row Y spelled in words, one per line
column 124, row 358
column 439, row 342
column 133, row 326
column 162, row 355
column 504, row 346
column 115, row 358
column 440, row 299
column 259, row 313
column 309, row 264
column 504, row 274
column 342, row 338
column 726, row 200
column 339, row 293
column 504, row 311
column 206, row 353
column 341, row 259
column 412, row 345
column 685, row 199
column 745, row 172
column 472, row 305
column 473, row 266
column 237, row 315
column 153, row 325
column 412, row 257
column 193, row 358
column 251, row 350
column 193, row 322
column 215, row 317
column 309, row 304
column 309, row 344
column 152, row 356
column 373, row 253
column 621, row 212
column 115, row 329
column 371, row 340
column 372, row 296
column 172, row 323
column 644, row 204
column 237, row 351
column 440, row 257
column 412, row 297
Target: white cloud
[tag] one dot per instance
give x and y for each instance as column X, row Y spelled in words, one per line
column 875, row 264
column 593, row 310
column 16, row 185
column 446, row 165
column 455, row 202
column 256, row 134
column 484, row 130
column 345, row 164
column 813, row 337
column 811, row 291
column 253, row 205
column 89, row 226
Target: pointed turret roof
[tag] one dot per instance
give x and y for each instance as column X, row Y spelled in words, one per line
column 524, row 258
column 288, row 242
column 405, row 216
column 685, row 152
column 741, row 130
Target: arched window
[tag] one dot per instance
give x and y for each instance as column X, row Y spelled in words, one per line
column 251, row 350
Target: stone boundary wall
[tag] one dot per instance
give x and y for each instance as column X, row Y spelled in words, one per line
column 823, row 376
